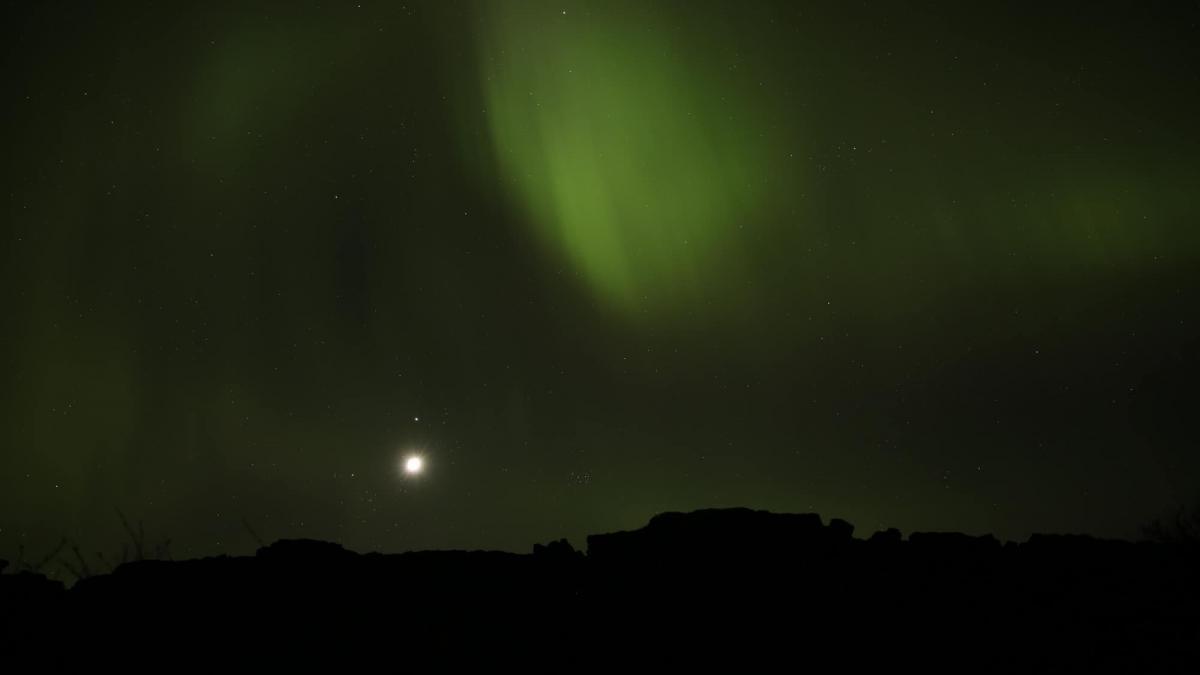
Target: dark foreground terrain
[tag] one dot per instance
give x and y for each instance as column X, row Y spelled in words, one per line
column 735, row 588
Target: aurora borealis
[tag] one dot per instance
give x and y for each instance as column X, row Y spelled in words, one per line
column 930, row 267
column 636, row 154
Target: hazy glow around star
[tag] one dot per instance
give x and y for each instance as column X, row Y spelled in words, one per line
column 414, row 465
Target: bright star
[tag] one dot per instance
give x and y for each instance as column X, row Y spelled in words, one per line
column 413, row 465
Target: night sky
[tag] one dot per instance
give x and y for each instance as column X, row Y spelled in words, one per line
column 924, row 265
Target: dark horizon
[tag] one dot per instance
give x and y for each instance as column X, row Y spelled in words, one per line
column 932, row 268
column 764, row 588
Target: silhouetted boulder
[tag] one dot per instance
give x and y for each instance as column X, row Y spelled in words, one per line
column 721, row 534
column 953, row 543
column 840, row 530
column 25, row 587
column 1075, row 545
column 557, row 550
column 306, row 550
column 888, row 537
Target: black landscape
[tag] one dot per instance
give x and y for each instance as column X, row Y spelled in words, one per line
column 685, row 588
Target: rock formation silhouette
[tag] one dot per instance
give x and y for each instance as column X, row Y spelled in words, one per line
column 686, row 588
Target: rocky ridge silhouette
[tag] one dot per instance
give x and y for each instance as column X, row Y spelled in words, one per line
column 685, row 585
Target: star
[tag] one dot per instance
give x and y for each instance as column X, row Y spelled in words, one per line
column 414, row 465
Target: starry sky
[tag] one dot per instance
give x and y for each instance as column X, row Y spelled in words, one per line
column 924, row 265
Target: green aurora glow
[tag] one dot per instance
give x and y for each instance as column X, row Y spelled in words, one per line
column 932, row 266
column 679, row 170
column 636, row 153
